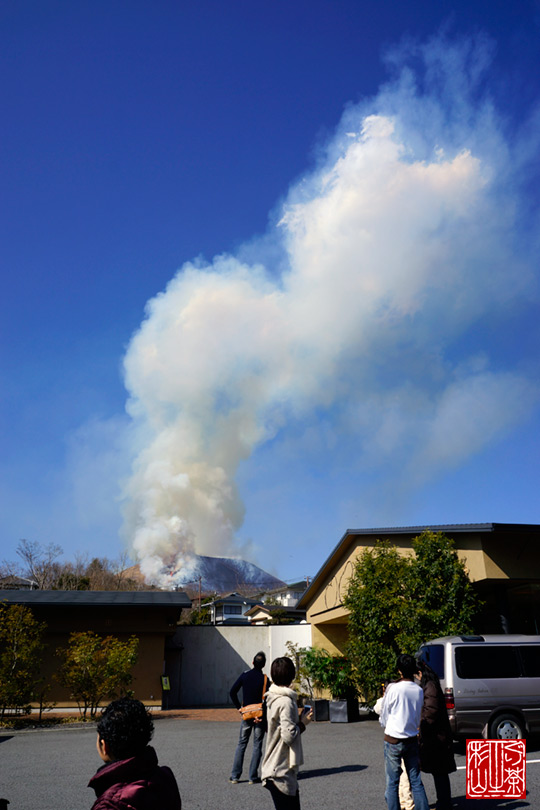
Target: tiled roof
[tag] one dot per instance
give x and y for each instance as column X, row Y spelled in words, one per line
column 232, row 599
column 98, row 598
column 448, row 528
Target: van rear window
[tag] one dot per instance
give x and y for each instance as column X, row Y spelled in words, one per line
column 487, row 662
column 433, row 654
column 530, row 656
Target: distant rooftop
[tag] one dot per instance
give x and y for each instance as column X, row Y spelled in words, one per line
column 97, row 598
column 454, row 527
column 301, row 585
column 232, row 598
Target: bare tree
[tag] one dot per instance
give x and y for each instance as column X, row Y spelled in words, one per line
column 40, row 562
column 110, row 575
column 7, row 569
column 120, row 566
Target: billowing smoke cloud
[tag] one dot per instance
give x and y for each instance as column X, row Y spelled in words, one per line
column 405, row 237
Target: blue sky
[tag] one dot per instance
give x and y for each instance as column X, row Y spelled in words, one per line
column 269, row 271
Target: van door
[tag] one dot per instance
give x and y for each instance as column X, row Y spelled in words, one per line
column 530, row 685
column 489, row 680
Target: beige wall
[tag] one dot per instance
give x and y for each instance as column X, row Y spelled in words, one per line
column 150, row 626
column 327, row 604
column 489, row 557
column 331, row 637
column 146, row 672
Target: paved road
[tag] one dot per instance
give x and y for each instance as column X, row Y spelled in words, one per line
column 343, row 770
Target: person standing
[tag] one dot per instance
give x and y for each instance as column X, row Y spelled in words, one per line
column 400, row 718
column 406, row 801
column 283, row 755
column 436, row 751
column 253, row 684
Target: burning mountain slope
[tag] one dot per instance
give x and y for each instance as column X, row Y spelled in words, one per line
column 216, row 574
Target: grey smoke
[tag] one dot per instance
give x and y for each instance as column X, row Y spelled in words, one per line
column 391, row 249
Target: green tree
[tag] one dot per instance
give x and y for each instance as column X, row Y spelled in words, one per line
column 376, row 597
column 396, row 602
column 199, row 614
column 445, row 601
column 95, row 668
column 21, row 647
column 279, row 616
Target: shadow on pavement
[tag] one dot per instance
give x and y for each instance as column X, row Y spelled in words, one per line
column 461, row 802
column 5, row 739
column 533, row 746
column 329, row 771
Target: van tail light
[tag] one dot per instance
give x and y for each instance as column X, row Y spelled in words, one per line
column 449, row 698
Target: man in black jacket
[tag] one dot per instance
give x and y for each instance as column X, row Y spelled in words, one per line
column 253, row 684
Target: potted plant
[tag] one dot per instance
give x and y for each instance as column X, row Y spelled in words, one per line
column 316, row 669
column 335, row 674
column 341, row 682
column 303, row 683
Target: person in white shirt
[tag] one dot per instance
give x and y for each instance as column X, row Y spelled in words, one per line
column 400, row 718
column 406, row 801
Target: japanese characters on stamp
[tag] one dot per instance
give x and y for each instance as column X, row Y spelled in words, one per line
column 496, row 769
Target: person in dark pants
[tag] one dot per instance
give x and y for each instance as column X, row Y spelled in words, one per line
column 400, row 717
column 436, row 751
column 253, row 684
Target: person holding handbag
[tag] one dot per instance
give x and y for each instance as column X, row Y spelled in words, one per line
column 253, row 684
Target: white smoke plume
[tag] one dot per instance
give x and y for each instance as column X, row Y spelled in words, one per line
column 404, row 238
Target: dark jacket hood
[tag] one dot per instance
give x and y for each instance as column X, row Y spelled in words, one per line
column 138, row 782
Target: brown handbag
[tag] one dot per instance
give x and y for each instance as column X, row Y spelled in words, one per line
column 254, row 711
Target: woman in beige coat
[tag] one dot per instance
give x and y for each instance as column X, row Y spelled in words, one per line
column 283, row 755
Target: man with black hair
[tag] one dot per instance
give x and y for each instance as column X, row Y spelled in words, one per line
column 400, row 718
column 131, row 776
column 253, row 684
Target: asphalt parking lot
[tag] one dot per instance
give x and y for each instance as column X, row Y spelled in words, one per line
column 343, row 768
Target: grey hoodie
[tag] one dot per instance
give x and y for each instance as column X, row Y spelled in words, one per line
column 283, row 754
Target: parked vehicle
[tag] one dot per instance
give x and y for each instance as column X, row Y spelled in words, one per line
column 491, row 683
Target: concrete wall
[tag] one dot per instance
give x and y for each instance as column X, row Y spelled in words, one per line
column 213, row 657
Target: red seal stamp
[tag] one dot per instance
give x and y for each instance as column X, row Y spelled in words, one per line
column 496, row 769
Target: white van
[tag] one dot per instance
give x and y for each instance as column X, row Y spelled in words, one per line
column 491, row 683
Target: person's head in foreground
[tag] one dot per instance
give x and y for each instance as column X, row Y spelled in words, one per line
column 282, row 671
column 407, row 666
column 124, row 730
